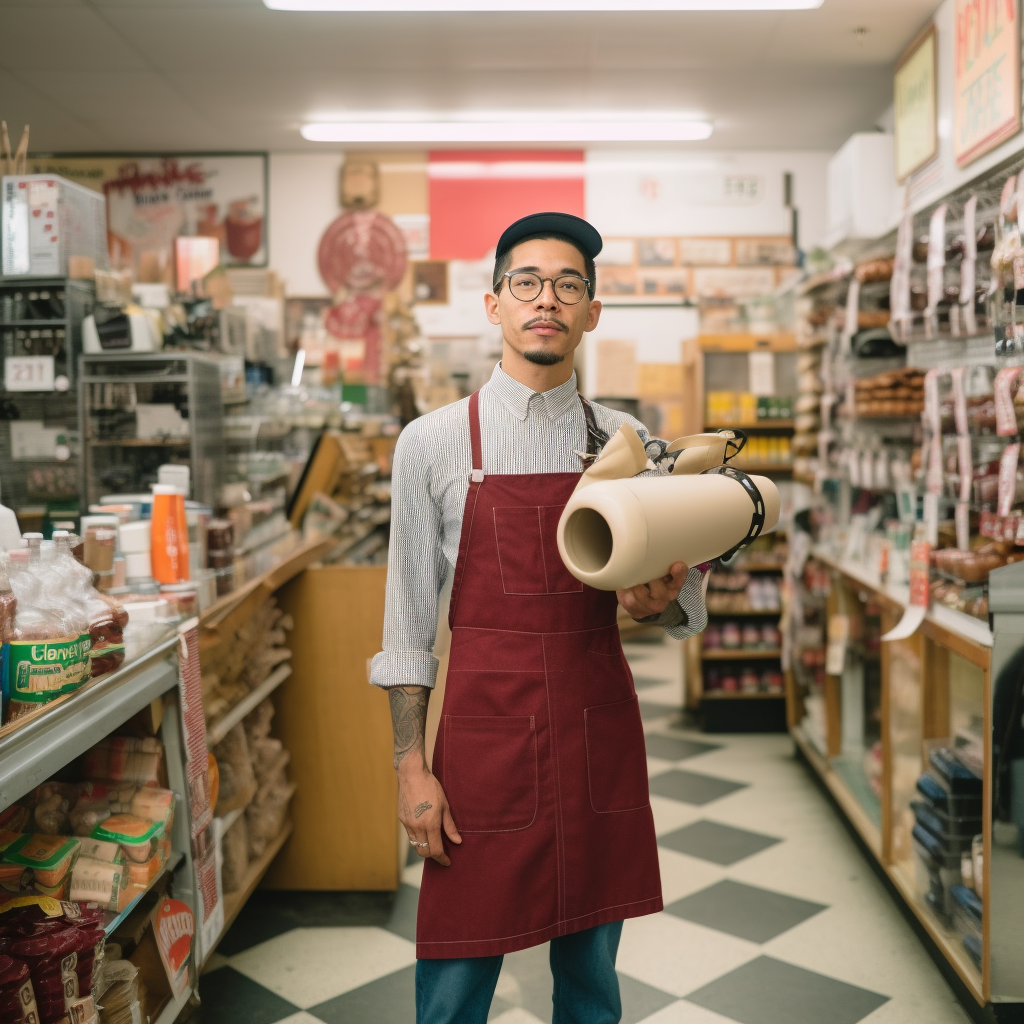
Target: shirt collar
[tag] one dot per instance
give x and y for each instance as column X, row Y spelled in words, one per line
column 520, row 399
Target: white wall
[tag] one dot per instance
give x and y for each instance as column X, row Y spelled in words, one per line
column 627, row 194
column 650, row 192
column 303, row 201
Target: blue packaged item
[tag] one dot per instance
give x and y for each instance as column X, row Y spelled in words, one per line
column 972, row 946
column 968, row 900
column 961, row 781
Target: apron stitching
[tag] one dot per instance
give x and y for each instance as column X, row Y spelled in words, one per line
column 546, row 928
column 553, row 748
column 543, row 559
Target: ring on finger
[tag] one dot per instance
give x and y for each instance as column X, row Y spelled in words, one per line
column 412, row 842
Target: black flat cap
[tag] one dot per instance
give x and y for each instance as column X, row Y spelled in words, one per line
column 583, row 234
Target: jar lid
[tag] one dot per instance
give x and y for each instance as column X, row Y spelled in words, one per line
column 179, row 588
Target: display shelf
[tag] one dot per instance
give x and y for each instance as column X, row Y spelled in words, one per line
column 235, row 607
column 740, row 655
column 965, row 627
column 216, row 731
column 763, row 467
column 142, row 442
column 946, row 941
column 169, row 868
column 34, row 748
column 756, row 425
column 172, row 1009
column 234, row 901
column 739, row 695
column 744, row 612
column 858, row 817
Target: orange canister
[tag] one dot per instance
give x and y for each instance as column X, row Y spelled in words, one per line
column 169, row 552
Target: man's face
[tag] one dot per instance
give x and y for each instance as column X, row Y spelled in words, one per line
column 546, row 329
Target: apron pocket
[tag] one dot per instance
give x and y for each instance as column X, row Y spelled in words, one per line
column 616, row 757
column 490, row 771
column 528, row 555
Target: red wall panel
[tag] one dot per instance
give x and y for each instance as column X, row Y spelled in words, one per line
column 474, row 196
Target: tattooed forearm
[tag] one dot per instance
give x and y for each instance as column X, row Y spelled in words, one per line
column 408, row 720
column 421, row 808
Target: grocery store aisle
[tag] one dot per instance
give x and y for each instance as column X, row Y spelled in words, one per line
column 772, row 914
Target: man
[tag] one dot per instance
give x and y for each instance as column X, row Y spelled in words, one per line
column 534, row 822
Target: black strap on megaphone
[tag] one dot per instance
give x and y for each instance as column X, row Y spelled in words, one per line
column 756, row 517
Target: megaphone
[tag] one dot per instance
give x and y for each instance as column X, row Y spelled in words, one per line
column 617, row 533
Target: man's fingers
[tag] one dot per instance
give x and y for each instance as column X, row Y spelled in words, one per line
column 436, row 845
column 449, row 826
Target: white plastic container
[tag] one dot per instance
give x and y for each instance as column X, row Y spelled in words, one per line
column 136, row 538
column 137, row 565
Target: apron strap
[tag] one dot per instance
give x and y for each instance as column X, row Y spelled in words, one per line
column 474, row 438
column 596, row 437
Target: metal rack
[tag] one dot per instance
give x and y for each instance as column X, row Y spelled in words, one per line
column 114, row 457
column 43, row 475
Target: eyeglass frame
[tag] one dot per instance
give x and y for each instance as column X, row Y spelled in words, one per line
column 543, row 280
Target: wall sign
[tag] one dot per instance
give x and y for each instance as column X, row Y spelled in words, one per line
column 986, row 76
column 914, row 88
column 151, row 200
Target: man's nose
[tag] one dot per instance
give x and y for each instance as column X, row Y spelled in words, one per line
column 547, row 298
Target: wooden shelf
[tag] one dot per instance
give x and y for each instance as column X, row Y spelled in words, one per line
column 756, row 425
column 216, row 731
column 234, row 901
column 775, row 612
column 740, row 655
column 744, row 341
column 903, row 879
column 740, row 695
column 142, row 442
column 764, row 467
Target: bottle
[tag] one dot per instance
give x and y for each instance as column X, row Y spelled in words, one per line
column 63, row 593
column 8, row 608
column 169, row 552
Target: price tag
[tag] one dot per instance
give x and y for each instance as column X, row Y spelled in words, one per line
column 28, row 373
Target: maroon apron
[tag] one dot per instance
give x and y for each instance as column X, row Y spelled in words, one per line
column 540, row 747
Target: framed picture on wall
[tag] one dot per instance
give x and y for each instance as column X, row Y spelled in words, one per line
column 915, row 100
column 986, row 77
column 154, row 199
column 430, row 281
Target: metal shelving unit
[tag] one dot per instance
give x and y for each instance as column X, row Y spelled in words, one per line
column 113, row 387
column 43, row 476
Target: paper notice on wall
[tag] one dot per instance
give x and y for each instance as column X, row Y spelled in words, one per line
column 762, row 373
column 616, row 369
column 920, row 561
column 30, row 439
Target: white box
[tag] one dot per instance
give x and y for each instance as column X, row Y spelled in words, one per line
column 861, row 193
column 44, row 220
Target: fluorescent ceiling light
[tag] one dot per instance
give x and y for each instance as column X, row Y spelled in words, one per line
column 518, row 6
column 619, row 130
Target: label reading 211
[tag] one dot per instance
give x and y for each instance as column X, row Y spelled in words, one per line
column 28, row 373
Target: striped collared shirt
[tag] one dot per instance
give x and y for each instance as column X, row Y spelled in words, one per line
column 523, row 431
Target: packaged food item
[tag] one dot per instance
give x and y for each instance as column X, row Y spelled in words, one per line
column 17, row 997
column 14, row 818
column 136, row 836
column 126, row 759
column 154, row 804
column 98, row 849
column 52, row 801
column 50, row 857
column 102, row 882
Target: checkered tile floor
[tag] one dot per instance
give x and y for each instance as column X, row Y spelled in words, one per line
column 771, row 914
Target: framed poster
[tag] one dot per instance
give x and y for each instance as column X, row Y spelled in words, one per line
column 916, row 102
column 151, row 200
column 986, row 76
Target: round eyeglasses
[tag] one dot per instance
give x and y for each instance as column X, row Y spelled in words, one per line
column 526, row 286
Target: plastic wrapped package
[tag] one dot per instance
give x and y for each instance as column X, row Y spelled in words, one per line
column 269, row 759
column 51, row 803
column 127, row 759
column 237, row 779
column 265, row 816
column 235, row 849
column 257, row 722
column 138, row 837
column 49, row 858
column 118, row 993
column 17, row 997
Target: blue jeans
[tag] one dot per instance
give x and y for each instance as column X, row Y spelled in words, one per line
column 586, row 987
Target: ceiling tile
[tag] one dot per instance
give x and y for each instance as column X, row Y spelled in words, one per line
column 73, row 39
column 52, row 127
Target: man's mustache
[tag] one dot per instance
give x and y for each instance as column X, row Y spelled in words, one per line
column 546, row 320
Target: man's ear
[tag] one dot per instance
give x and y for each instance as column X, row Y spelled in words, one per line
column 491, row 308
column 593, row 315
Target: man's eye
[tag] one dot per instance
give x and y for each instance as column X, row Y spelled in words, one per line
column 571, row 286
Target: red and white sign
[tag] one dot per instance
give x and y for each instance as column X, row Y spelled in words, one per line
column 174, row 928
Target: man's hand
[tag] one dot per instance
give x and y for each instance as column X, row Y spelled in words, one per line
column 653, row 598
column 423, row 810
column 422, row 805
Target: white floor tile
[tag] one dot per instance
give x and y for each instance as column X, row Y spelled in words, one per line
column 301, row 1018
column 682, row 875
column 308, row 966
column 672, row 814
column 517, row 1015
column 678, row 956
column 686, row 1013
column 214, row 962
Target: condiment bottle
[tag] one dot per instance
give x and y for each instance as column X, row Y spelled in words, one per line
column 169, row 553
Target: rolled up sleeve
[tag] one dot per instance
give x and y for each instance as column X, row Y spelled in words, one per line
column 416, row 572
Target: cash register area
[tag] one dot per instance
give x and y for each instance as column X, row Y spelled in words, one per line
column 772, row 913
